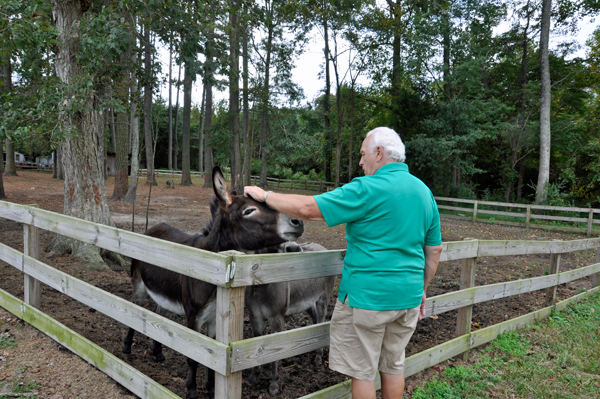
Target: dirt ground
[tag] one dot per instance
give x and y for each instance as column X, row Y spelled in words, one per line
column 59, row 374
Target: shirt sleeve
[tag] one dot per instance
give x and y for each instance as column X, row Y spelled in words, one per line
column 344, row 204
column 434, row 233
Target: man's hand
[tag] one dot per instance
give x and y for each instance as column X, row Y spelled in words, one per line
column 255, row 192
column 422, row 310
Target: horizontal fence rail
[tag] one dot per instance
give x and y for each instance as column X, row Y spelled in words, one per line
column 527, row 214
column 232, row 271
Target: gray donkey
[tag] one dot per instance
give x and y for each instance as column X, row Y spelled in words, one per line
column 273, row 302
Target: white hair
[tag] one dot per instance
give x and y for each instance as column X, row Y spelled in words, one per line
column 390, row 141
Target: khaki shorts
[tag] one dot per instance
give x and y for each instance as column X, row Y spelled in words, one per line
column 364, row 341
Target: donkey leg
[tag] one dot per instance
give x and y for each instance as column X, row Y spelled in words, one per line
column 157, row 349
column 190, row 382
column 139, row 297
column 258, row 327
column 209, row 382
column 276, row 326
column 317, row 314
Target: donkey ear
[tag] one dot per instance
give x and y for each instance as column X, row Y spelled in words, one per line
column 220, row 186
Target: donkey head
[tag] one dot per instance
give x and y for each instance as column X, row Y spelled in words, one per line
column 244, row 224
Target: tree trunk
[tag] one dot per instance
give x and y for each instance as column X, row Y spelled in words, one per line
column 234, row 97
column 201, row 133
column 85, row 193
column 351, row 142
column 446, row 55
column 396, row 11
column 11, row 169
column 59, row 164
column 265, row 109
column 186, row 178
column 246, row 109
column 545, row 98
column 2, row 193
column 130, row 197
column 122, row 137
column 326, row 104
column 148, row 109
column 170, row 106
column 175, row 148
column 208, row 78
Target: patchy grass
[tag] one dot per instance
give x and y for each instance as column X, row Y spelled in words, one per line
column 555, row 358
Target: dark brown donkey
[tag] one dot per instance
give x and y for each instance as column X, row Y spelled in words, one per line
column 239, row 223
column 273, row 302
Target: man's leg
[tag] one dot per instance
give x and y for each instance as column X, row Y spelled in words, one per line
column 392, row 386
column 363, row 389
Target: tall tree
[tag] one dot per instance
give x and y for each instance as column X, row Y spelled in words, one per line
column 234, row 95
column 246, row 109
column 186, row 177
column 208, row 87
column 83, row 150
column 148, row 87
column 545, row 104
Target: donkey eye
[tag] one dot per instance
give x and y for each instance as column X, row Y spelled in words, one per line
column 249, row 211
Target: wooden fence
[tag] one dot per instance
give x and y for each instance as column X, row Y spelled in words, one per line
column 526, row 212
column 232, row 271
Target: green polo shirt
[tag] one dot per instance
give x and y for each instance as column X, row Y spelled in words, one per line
column 389, row 218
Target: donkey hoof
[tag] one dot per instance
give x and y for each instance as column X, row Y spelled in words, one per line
column 160, row 357
column 191, row 395
column 252, row 380
column 273, row 389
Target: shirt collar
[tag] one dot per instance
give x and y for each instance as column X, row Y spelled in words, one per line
column 393, row 167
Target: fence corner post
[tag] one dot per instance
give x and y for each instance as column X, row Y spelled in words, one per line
column 230, row 328
column 553, row 268
column 590, row 223
column 475, row 211
column 465, row 314
column 31, row 246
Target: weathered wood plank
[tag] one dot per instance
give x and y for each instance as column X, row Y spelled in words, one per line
column 456, row 208
column 455, row 250
column 272, row 268
column 199, row 347
column 202, row 265
column 269, row 348
column 230, row 328
column 572, row 275
column 435, row 355
column 553, row 268
column 118, row 370
column 466, row 201
column 31, row 246
column 503, row 248
column 503, row 290
column 575, row 245
column 561, row 218
column 562, row 208
column 501, row 213
column 446, row 302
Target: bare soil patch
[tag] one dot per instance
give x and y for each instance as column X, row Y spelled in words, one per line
column 61, row 374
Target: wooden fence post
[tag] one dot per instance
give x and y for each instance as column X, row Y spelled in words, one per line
column 596, row 277
column 528, row 216
column 552, row 269
column 31, row 247
column 475, row 212
column 590, row 222
column 465, row 314
column 230, row 328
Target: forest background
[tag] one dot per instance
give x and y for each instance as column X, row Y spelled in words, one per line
column 82, row 79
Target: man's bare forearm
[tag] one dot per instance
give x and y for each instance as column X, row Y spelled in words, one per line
column 432, row 259
column 298, row 206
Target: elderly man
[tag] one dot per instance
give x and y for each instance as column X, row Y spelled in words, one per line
column 393, row 249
